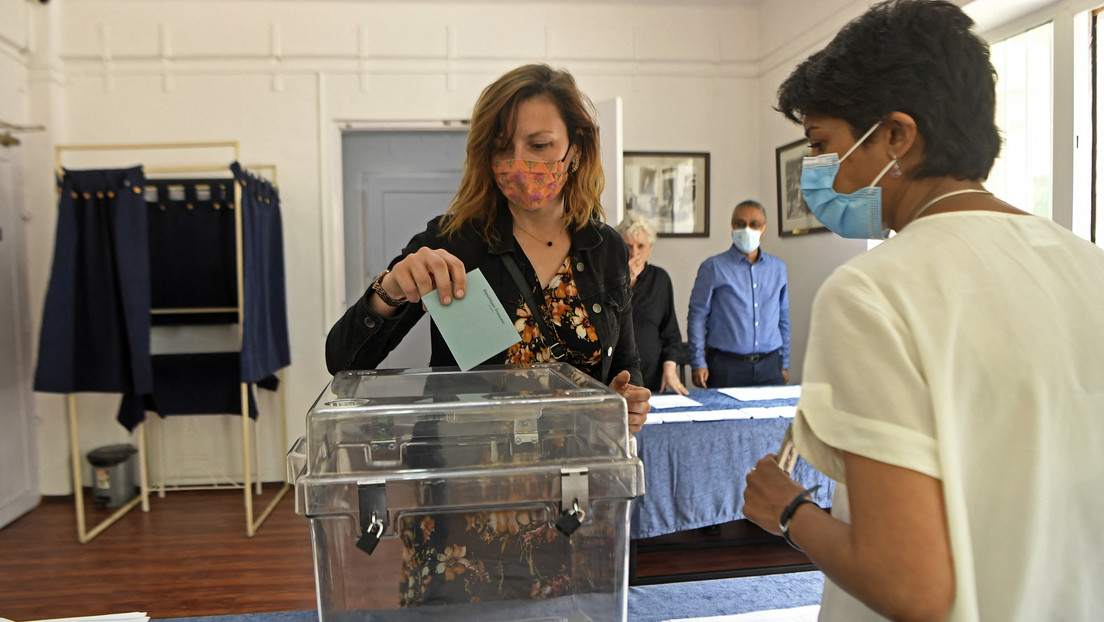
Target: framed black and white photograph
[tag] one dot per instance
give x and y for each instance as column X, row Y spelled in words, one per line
column 670, row 189
column 794, row 217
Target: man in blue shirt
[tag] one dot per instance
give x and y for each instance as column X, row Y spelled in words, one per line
column 739, row 322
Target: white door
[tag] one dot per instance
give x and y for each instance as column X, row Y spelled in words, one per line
column 19, row 491
column 610, row 136
column 395, row 181
column 396, row 206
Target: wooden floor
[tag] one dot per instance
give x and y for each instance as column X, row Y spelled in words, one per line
column 190, row 556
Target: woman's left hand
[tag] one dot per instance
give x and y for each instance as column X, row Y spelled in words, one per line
column 769, row 490
column 671, row 379
column 637, row 398
column 636, row 266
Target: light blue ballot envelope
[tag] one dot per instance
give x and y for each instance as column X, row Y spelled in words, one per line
column 476, row 326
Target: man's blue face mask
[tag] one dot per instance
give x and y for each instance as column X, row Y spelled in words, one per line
column 855, row 215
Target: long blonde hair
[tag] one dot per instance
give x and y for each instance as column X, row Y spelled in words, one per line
column 495, row 116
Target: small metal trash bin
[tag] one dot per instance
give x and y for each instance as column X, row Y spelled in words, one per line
column 113, row 480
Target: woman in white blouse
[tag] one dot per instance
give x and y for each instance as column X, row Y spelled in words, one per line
column 954, row 375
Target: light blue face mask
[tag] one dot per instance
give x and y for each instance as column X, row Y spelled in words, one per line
column 746, row 240
column 855, row 215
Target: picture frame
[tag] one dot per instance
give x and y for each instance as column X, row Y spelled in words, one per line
column 794, row 217
column 671, row 189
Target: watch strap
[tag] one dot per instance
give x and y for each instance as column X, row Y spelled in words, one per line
column 787, row 514
column 377, row 286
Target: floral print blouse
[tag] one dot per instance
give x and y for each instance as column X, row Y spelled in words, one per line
column 482, row 557
column 564, row 312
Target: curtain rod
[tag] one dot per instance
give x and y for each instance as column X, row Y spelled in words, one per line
column 59, row 149
column 15, row 127
column 135, row 146
column 213, row 168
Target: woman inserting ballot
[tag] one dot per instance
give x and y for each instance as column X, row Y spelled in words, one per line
column 529, row 194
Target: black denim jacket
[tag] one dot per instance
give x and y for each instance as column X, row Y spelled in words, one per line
column 361, row 339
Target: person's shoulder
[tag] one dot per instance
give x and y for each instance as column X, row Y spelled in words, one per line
column 658, row 273
column 605, row 230
column 865, row 276
column 770, row 257
column 434, row 227
column 774, row 260
column 606, row 235
column 465, row 237
column 724, row 257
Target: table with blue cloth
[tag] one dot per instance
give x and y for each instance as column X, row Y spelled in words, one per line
column 694, row 471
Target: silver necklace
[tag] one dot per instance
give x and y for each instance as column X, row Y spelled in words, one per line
column 944, row 196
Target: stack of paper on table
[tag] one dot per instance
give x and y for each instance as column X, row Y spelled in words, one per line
column 661, row 403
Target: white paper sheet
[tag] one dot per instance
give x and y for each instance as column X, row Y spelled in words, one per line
column 720, row 415
column 475, row 327
column 808, row 613
column 671, row 400
column 756, row 394
column 662, row 417
column 774, row 412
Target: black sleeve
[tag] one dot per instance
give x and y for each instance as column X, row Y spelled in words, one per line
column 669, row 332
column 361, row 339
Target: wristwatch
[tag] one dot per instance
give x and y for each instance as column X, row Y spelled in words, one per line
column 377, row 286
column 787, row 514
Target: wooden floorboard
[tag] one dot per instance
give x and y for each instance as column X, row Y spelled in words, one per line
column 190, row 556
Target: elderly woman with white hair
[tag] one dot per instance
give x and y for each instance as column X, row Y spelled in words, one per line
column 658, row 338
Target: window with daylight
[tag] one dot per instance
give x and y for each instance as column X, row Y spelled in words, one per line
column 1023, row 174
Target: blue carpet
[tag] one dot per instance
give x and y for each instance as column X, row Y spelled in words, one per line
column 699, row 599
column 656, row 603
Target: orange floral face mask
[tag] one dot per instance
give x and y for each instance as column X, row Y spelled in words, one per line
column 529, row 183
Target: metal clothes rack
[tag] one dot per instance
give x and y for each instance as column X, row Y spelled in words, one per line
column 83, row 532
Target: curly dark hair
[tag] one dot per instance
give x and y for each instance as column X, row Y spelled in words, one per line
column 919, row 57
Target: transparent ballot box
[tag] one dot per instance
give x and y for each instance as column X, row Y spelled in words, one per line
column 498, row 494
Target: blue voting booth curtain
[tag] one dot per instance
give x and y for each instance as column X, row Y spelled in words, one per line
column 193, row 261
column 96, row 320
column 265, row 347
column 125, row 244
column 203, row 383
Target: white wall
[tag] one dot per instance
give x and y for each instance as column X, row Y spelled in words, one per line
column 281, row 76
column 809, row 258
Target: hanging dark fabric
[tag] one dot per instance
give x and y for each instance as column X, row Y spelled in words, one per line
column 191, row 384
column 264, row 347
column 192, row 249
column 96, row 318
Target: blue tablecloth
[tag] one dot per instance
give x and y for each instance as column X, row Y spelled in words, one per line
column 649, row 603
column 694, row 472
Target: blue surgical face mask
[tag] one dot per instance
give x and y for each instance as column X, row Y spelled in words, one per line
column 746, row 240
column 855, row 215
